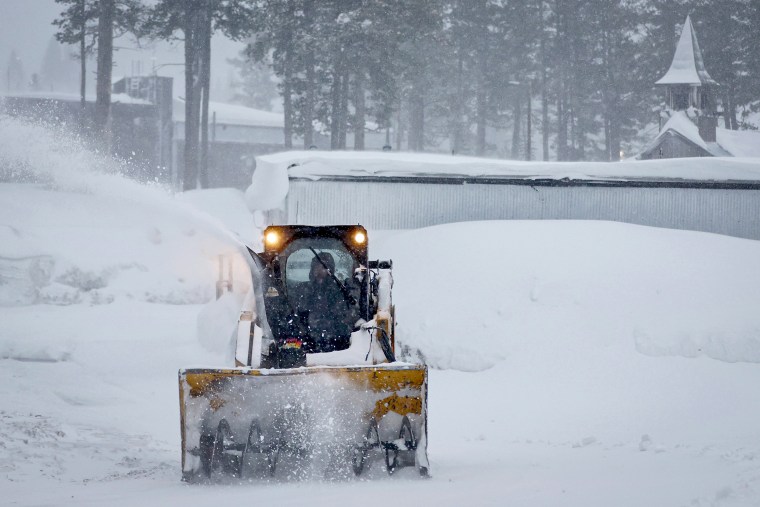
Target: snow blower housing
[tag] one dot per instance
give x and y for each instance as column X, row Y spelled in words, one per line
column 316, row 386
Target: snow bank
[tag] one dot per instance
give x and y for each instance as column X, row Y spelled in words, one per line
column 495, row 286
column 269, row 186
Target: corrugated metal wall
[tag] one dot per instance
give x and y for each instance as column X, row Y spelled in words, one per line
column 394, row 205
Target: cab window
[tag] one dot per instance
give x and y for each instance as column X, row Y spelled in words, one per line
column 299, row 258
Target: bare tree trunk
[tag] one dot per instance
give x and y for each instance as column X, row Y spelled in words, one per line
column 482, row 107
column 83, row 68
column 577, row 136
column 205, row 75
column 544, row 84
column 615, row 140
column 287, row 99
column 360, row 107
column 417, row 117
column 457, row 109
column 729, row 108
column 83, row 57
column 308, row 112
column 608, row 97
column 105, row 67
column 343, row 115
column 561, row 126
column 190, row 176
column 560, row 44
column 607, row 145
column 309, row 95
column 726, row 111
column 399, row 123
column 335, row 89
column 517, row 117
column 481, row 95
column 529, row 123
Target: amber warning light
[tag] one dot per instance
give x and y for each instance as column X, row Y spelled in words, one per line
column 272, row 238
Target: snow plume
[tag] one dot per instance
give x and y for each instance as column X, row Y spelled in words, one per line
column 78, row 230
column 34, row 152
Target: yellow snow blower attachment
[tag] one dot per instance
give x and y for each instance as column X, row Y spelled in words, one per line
column 316, row 390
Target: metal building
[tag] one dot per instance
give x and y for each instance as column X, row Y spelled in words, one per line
column 336, row 189
column 731, row 208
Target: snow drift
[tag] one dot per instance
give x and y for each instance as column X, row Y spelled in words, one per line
column 561, row 283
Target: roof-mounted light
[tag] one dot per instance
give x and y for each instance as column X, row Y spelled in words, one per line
column 360, row 237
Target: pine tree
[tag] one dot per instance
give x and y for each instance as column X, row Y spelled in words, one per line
column 76, row 25
column 442, row 68
column 197, row 20
column 90, row 24
column 751, row 48
column 725, row 32
column 14, row 73
column 518, row 69
column 53, row 70
column 615, row 27
column 255, row 84
column 421, row 53
column 273, row 23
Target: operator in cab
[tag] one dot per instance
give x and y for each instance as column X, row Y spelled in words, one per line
column 330, row 312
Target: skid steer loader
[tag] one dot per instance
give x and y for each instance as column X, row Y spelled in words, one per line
column 316, row 390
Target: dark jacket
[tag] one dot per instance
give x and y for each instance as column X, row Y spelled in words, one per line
column 328, row 315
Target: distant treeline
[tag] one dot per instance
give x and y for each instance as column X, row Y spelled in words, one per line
column 443, row 74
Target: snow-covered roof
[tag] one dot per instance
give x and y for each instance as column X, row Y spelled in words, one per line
column 740, row 143
column 346, row 164
column 116, row 98
column 688, row 66
column 736, row 143
column 232, row 114
column 680, row 123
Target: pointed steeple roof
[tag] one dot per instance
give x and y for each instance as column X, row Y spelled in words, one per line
column 688, row 66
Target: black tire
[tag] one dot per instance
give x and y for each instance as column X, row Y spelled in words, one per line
column 361, row 453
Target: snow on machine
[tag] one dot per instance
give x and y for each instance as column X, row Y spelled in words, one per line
column 316, row 390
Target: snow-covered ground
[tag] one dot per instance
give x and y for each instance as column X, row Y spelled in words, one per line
column 572, row 363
